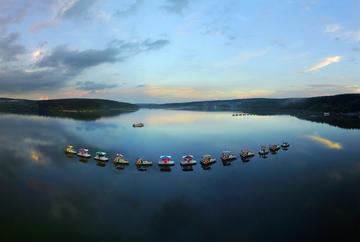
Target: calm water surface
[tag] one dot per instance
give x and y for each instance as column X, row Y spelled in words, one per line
column 309, row 192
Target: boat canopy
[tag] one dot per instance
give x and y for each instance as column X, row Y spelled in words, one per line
column 101, row 153
column 165, row 157
column 188, row 156
column 207, row 156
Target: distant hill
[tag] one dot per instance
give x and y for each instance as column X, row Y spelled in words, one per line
column 77, row 108
column 344, row 103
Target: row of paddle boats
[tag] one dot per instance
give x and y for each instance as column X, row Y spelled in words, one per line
column 186, row 160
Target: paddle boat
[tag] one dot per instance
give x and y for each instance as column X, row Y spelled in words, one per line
column 138, row 125
column 207, row 159
column 285, row 144
column 70, row 150
column 143, row 162
column 83, row 153
column 187, row 160
column 274, row 148
column 120, row 160
column 101, row 156
column 166, row 160
column 246, row 154
column 263, row 150
column 227, row 156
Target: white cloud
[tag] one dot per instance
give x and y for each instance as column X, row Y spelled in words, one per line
column 325, row 62
column 335, row 30
column 332, row 28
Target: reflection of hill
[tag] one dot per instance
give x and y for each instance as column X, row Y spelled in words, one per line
column 341, row 121
column 344, row 109
column 84, row 109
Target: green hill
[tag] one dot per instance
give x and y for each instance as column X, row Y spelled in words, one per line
column 344, row 103
column 78, row 108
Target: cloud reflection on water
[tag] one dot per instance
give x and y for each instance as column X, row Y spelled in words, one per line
column 326, row 142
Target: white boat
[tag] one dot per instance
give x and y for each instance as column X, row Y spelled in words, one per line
column 245, row 154
column 227, row 156
column 285, row 144
column 264, row 150
column 120, row 160
column 101, row 156
column 83, row 153
column 188, row 160
column 138, row 125
column 166, row 160
column 142, row 162
column 70, row 150
column 207, row 159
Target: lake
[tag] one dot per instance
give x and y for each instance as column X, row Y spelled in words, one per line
column 309, row 192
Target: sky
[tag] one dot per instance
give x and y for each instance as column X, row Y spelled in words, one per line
column 160, row 51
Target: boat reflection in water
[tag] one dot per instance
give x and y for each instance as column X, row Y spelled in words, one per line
column 101, row 163
column 187, row 167
column 206, row 167
column 120, row 166
column 226, row 162
column 165, row 168
column 83, row 160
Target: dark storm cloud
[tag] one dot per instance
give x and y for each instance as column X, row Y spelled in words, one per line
column 63, row 64
column 94, row 86
column 9, row 49
column 175, row 6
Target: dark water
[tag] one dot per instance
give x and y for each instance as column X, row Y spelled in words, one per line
column 309, row 192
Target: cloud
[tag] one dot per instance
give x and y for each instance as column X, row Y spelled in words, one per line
column 70, row 9
column 199, row 93
column 62, row 64
column 326, row 142
column 93, row 87
column 9, row 49
column 12, row 11
column 79, row 9
column 130, row 9
column 327, row 61
column 339, row 33
column 117, row 50
column 332, row 28
column 175, row 6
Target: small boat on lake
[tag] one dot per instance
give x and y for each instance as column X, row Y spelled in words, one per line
column 83, row 153
column 187, row 160
column 227, row 156
column 70, row 150
column 207, row 159
column 101, row 156
column 285, row 144
column 263, row 151
column 138, row 125
column 166, row 160
column 246, row 154
column 274, row 148
column 120, row 160
column 143, row 162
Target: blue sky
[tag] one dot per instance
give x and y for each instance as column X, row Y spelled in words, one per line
column 178, row 50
